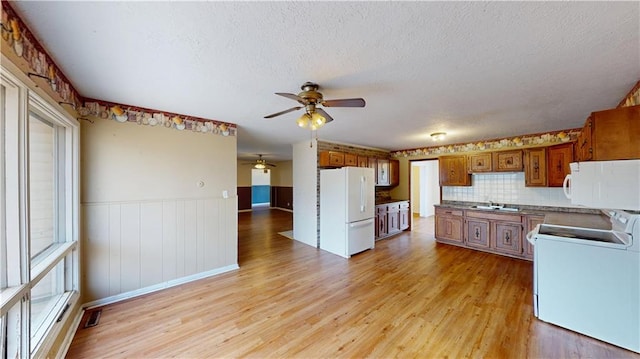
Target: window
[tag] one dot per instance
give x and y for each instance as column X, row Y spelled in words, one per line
column 38, row 219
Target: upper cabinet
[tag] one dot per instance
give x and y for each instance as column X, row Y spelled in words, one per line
column 331, row 159
column 507, row 161
column 350, row 159
column 610, row 135
column 453, row 171
column 535, row 167
column 480, row 162
column 363, row 161
column 382, row 177
column 558, row 159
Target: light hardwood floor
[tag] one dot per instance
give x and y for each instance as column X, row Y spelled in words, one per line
column 409, row 297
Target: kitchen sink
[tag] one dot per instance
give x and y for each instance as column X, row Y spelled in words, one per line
column 496, row 208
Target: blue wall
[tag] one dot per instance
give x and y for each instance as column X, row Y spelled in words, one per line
column 260, row 194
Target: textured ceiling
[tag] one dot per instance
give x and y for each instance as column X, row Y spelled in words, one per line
column 476, row 70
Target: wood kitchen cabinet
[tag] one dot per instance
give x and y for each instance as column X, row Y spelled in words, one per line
column 381, row 230
column 477, row 233
column 558, row 159
column 391, row 218
column 491, row 231
column 535, row 167
column 350, row 159
column 405, row 215
column 383, row 178
column 507, row 161
column 480, row 162
column 610, row 135
column 331, row 159
column 453, row 171
column 531, row 221
column 363, row 161
column 449, row 223
column 373, row 163
column 507, row 237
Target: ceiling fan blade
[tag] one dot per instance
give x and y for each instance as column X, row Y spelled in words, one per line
column 345, row 102
column 283, row 112
column 324, row 114
column 270, row 164
column 293, row 97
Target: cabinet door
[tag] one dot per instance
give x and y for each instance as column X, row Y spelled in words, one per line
column 363, row 161
column 331, row 159
column 507, row 161
column 383, row 172
column 404, row 215
column 559, row 157
column 477, row 234
column 584, row 147
column 350, row 159
column 507, row 238
column 449, row 228
column 615, row 133
column 373, row 163
column 381, row 228
column 480, row 162
column 394, row 172
column 393, row 218
column 535, row 168
column 532, row 222
column 453, row 171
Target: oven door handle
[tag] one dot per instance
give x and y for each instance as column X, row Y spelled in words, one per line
column 565, row 186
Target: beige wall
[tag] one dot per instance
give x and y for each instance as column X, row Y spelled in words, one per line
column 244, row 174
column 153, row 207
column 282, row 175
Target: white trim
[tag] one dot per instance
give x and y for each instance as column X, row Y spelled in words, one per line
column 68, row 337
column 283, row 209
column 157, row 287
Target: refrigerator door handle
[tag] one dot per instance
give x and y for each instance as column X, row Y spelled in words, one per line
column 363, row 198
column 364, row 223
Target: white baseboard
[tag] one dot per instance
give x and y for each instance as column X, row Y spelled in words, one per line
column 157, row 287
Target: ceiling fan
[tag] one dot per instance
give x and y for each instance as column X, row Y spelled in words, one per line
column 260, row 163
column 314, row 117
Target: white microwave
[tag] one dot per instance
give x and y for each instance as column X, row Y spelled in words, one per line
column 604, row 184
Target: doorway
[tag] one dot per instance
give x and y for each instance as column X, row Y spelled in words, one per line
column 425, row 187
column 260, row 188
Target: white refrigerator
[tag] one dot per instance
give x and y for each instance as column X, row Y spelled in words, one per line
column 347, row 204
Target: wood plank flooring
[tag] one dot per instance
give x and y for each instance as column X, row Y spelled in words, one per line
column 408, row 297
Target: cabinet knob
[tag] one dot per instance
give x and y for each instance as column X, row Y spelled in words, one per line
column 477, row 233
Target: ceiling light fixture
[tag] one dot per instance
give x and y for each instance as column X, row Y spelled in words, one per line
column 438, row 136
column 313, row 120
column 260, row 166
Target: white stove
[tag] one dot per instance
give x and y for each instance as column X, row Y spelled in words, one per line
column 587, row 278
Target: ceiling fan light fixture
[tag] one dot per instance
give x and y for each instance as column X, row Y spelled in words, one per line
column 260, row 166
column 318, row 120
column 438, row 136
column 303, row 121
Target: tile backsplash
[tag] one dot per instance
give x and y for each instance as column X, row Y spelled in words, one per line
column 506, row 188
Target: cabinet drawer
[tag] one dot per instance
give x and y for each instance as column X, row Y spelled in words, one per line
column 404, row 205
column 449, row 211
column 381, row 208
column 393, row 207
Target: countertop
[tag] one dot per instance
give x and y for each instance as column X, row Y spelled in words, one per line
column 523, row 209
column 389, row 200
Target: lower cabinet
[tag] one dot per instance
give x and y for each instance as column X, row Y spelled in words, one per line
column 404, row 216
column 530, row 225
column 489, row 231
column 449, row 224
column 477, row 233
column 391, row 218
